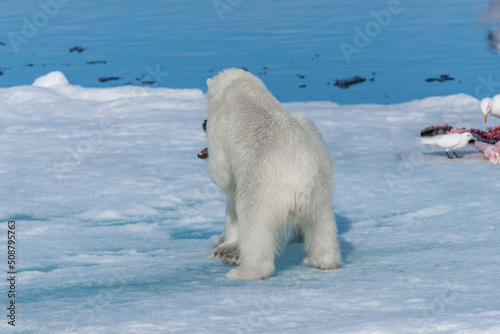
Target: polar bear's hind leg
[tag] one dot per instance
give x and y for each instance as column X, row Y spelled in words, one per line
column 320, row 240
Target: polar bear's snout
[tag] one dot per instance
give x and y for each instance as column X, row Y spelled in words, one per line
column 203, row 153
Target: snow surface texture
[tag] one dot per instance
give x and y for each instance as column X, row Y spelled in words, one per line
column 116, row 216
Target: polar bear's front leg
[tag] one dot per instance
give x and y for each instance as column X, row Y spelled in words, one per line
column 258, row 245
column 227, row 247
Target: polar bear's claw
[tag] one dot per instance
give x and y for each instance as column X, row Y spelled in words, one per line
column 232, row 259
column 226, row 249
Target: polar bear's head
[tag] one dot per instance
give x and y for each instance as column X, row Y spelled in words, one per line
column 224, row 79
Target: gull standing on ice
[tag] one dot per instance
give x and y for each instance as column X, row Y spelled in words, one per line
column 450, row 141
column 491, row 106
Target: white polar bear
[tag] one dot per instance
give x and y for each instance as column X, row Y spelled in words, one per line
column 276, row 173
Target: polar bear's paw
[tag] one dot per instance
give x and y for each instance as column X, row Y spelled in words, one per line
column 251, row 273
column 225, row 248
column 233, row 258
column 324, row 262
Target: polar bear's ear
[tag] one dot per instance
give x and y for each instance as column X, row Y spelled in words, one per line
column 209, row 82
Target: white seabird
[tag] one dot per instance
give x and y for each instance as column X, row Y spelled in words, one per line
column 490, row 106
column 449, row 141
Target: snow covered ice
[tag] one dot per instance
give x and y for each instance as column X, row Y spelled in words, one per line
column 115, row 217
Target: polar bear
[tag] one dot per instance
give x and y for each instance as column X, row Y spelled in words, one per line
column 276, row 173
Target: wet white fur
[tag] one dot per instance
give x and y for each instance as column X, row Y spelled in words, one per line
column 276, row 173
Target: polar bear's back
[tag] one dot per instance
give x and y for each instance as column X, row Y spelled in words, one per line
column 266, row 147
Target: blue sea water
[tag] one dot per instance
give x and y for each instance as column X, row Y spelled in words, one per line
column 299, row 48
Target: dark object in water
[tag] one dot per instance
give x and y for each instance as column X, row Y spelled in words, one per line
column 442, row 78
column 148, row 82
column 345, row 83
column 2, row 43
column 302, row 86
column 106, row 79
column 96, row 62
column 1, row 72
column 78, row 49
